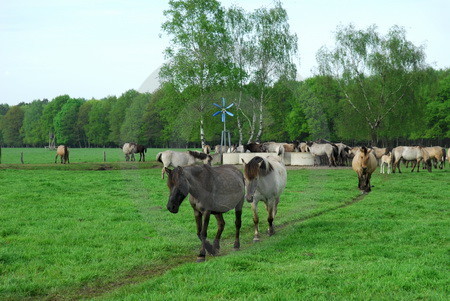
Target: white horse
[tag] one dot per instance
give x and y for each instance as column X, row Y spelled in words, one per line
column 386, row 162
column 175, row 159
column 410, row 153
column 265, row 181
column 129, row 149
column 320, row 149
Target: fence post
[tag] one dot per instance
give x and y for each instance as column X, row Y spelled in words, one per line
column 21, row 157
column 104, row 156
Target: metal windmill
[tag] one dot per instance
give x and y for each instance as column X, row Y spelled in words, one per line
column 225, row 134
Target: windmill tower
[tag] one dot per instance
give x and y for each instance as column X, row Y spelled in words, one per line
column 225, row 138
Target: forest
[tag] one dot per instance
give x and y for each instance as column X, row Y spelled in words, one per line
column 368, row 88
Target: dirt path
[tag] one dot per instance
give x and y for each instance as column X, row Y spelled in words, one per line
column 145, row 273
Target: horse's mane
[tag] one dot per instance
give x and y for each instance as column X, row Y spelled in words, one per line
column 198, row 155
column 255, row 167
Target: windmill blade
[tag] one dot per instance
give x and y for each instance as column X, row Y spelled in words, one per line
column 232, row 104
column 223, row 102
column 223, row 117
column 229, row 113
column 217, row 105
column 217, row 113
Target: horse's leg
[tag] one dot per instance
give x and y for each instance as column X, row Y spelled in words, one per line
column 162, row 172
column 204, row 233
column 272, row 210
column 143, row 157
column 368, row 188
column 56, row 157
column 237, row 223
column 220, row 227
column 198, row 221
column 255, row 220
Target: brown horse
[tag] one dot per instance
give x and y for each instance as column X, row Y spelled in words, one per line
column 437, row 154
column 212, row 190
column 141, row 150
column 63, row 152
column 364, row 164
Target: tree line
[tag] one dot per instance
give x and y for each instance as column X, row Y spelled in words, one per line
column 368, row 87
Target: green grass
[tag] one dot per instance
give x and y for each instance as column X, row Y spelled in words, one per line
column 87, row 233
column 77, row 155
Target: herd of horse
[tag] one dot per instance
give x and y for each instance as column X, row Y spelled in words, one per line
column 218, row 189
column 214, row 190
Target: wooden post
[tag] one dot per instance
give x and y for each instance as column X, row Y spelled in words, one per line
column 104, row 156
column 21, row 157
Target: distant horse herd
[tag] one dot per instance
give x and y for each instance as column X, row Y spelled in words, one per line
column 218, row 189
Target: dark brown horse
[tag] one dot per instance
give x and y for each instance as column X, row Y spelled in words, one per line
column 63, row 152
column 254, row 147
column 141, row 150
column 212, row 190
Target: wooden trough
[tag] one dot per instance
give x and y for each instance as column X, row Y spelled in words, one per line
column 297, row 159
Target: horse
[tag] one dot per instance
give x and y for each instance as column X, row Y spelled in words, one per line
column 291, row 147
column 380, row 152
column 220, row 149
column 206, row 149
column 175, row 159
column 63, row 152
column 141, row 150
column 254, row 147
column 265, row 181
column 129, row 149
column 212, row 190
column 303, row 147
column 364, row 164
column 317, row 149
column 409, row 153
column 437, row 154
column 343, row 153
column 386, row 162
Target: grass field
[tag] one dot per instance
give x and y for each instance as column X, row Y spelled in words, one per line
column 87, row 233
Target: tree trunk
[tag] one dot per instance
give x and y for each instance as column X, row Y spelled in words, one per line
column 202, row 132
column 260, row 130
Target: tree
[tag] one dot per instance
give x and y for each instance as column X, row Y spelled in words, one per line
column 131, row 130
column 11, row 124
column 65, row 123
column 48, row 115
column 98, row 127
column 274, row 50
column 117, row 115
column 375, row 73
column 31, row 124
column 83, row 121
column 197, row 56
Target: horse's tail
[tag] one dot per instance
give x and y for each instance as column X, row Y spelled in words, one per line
column 158, row 157
column 145, row 150
column 444, row 156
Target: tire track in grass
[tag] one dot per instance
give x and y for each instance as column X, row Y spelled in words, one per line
column 144, row 273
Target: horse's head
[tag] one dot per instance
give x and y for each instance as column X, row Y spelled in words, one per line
column 179, row 188
column 364, row 155
column 252, row 170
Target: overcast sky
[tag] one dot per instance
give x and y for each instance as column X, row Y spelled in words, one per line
column 97, row 48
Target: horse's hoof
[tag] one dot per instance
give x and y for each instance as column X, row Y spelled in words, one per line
column 201, row 259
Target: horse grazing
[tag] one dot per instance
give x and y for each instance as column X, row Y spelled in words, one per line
column 364, row 164
column 175, row 159
column 318, row 149
column 265, row 181
column 410, row 153
column 141, row 150
column 129, row 149
column 386, row 162
column 437, row 154
column 63, row 152
column 212, row 190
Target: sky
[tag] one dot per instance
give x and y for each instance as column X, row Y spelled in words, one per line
column 99, row 48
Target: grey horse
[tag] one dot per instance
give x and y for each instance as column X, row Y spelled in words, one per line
column 212, row 190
